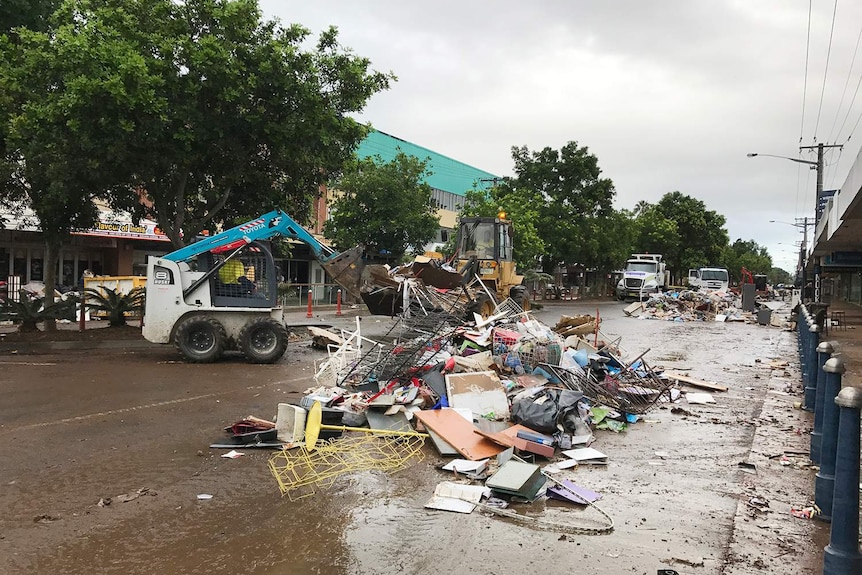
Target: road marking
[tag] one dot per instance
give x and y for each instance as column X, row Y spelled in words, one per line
column 145, row 406
column 24, row 363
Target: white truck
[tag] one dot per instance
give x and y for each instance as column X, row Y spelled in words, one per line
column 710, row 279
column 645, row 274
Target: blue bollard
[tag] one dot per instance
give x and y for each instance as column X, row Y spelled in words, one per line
column 810, row 368
column 841, row 556
column 824, row 481
column 801, row 329
column 824, row 350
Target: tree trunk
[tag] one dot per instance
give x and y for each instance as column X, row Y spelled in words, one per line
column 52, row 253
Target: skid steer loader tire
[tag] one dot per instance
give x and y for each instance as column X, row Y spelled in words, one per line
column 200, row 339
column 263, row 340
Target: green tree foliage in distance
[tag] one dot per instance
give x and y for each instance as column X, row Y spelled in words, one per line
column 780, row 276
column 385, row 206
column 746, row 254
column 30, row 14
column 699, row 237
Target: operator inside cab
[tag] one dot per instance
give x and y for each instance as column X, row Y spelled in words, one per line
column 232, row 275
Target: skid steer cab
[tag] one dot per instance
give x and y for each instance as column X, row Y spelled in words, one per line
column 220, row 293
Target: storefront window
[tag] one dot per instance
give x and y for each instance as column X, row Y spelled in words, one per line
column 37, row 269
column 4, row 263
column 19, row 264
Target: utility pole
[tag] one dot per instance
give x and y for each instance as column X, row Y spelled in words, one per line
column 803, row 249
column 819, row 167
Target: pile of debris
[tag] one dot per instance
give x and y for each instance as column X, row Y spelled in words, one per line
column 512, row 400
column 689, row 305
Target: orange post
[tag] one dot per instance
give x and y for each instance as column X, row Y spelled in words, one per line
column 598, row 321
column 338, row 304
column 309, row 314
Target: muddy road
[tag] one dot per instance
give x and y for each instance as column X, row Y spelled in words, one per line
column 80, row 427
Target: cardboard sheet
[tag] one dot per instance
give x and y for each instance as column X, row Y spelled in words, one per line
column 481, row 392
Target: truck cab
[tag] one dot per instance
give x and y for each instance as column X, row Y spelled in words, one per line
column 710, row 279
column 644, row 275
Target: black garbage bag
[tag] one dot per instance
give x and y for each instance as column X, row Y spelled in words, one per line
column 547, row 409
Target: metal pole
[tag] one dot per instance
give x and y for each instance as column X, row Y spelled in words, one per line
column 841, row 556
column 811, row 368
column 824, row 351
column 819, row 167
column 824, row 481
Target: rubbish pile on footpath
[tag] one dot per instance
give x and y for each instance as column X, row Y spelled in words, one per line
column 513, row 404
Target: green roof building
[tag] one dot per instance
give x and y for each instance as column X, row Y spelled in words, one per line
column 449, row 178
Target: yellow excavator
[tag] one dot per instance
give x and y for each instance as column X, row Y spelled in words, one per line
column 484, row 255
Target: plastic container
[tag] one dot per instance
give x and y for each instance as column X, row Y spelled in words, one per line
column 290, row 423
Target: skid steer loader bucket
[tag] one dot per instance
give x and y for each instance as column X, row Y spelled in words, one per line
column 346, row 270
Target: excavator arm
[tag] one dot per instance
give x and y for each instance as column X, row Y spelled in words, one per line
column 273, row 224
column 345, row 268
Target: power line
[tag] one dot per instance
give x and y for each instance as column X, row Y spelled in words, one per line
column 835, row 170
column 844, row 93
column 826, row 69
column 805, row 82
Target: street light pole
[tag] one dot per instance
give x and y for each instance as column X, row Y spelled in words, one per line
column 803, row 248
column 820, row 147
column 818, row 165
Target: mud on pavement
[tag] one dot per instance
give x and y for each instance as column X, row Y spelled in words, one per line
column 80, row 428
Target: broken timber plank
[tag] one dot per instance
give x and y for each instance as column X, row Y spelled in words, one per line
column 323, row 337
column 695, row 382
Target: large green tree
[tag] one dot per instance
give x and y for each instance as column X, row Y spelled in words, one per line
column 198, row 106
column 701, row 236
column 654, row 233
column 211, row 113
column 385, row 206
column 746, row 254
column 573, row 201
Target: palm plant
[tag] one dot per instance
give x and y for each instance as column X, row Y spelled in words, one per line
column 30, row 310
column 115, row 303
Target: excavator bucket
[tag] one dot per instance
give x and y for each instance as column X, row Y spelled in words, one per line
column 346, row 270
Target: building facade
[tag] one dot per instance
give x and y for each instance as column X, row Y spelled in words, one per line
column 118, row 247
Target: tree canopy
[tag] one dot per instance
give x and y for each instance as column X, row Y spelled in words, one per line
column 746, row 254
column 681, row 229
column 574, row 199
column 208, row 111
column 385, row 206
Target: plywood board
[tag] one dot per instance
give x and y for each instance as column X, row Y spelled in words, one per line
column 459, row 433
column 695, row 382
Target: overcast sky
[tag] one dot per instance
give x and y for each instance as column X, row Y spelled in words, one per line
column 667, row 94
